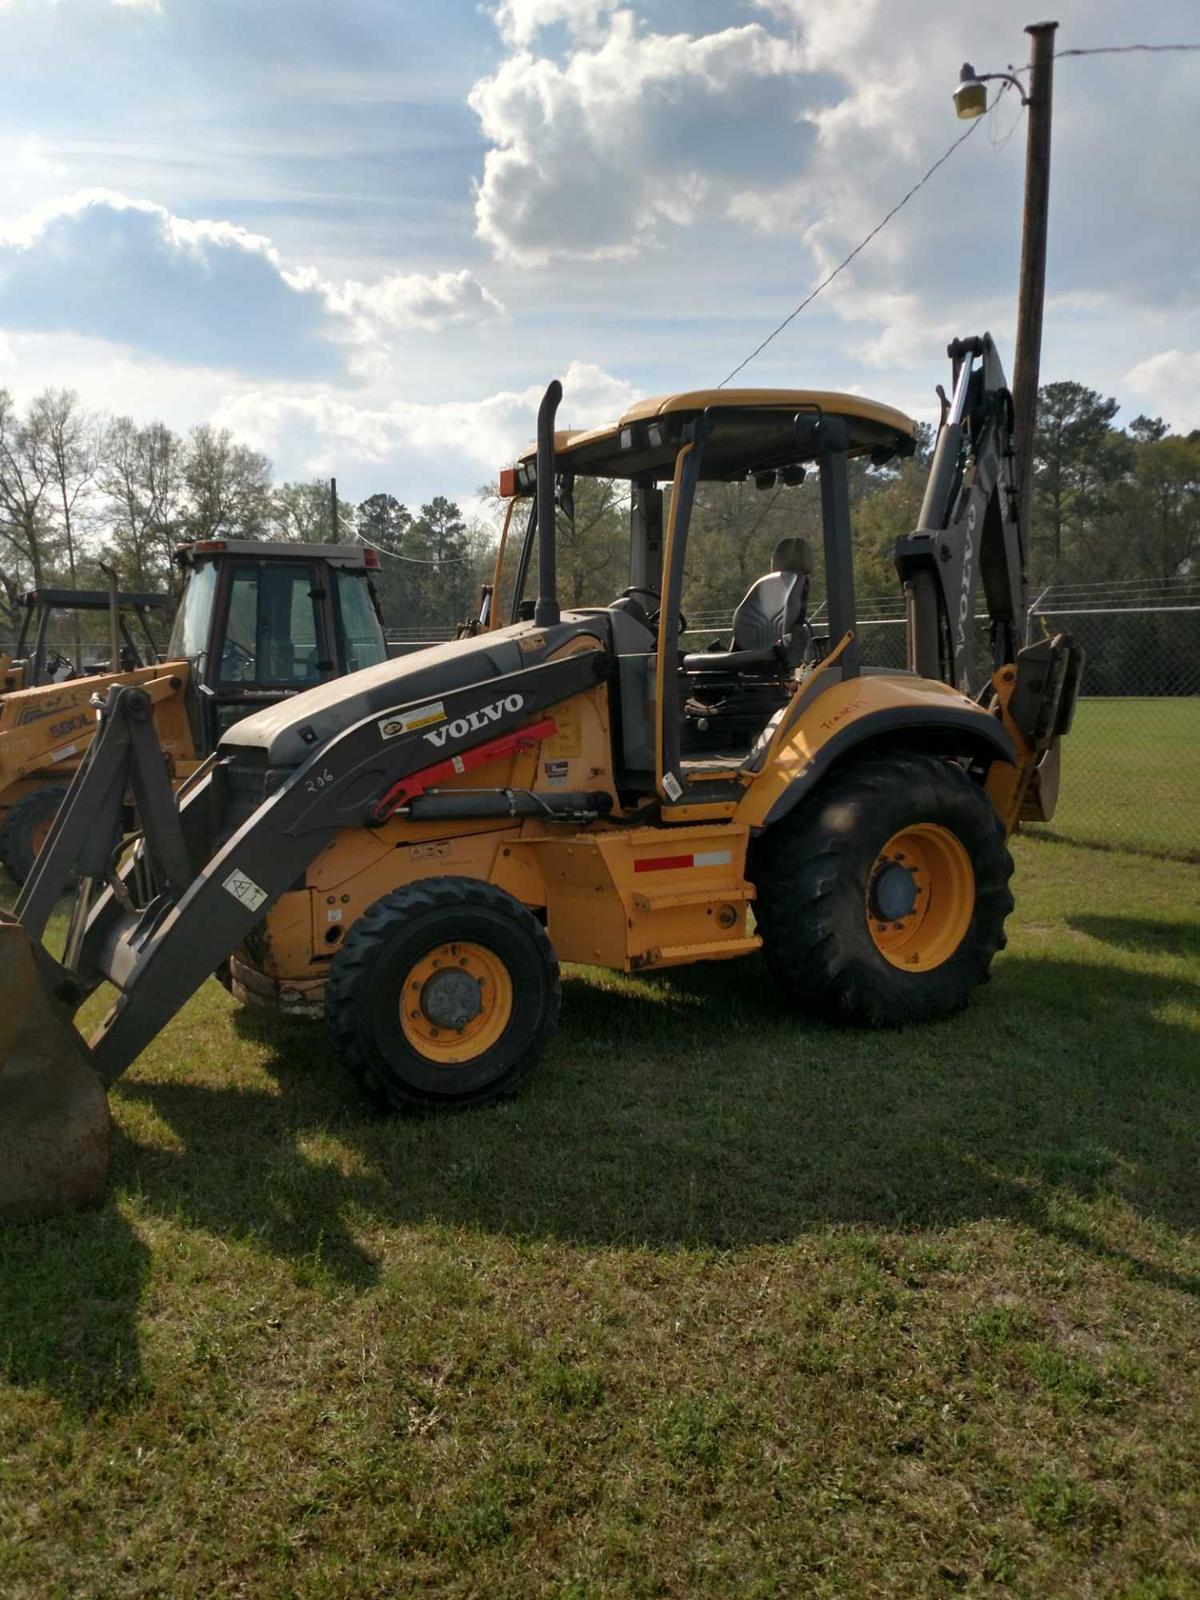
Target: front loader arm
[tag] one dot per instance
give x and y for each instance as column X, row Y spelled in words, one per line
column 159, row 952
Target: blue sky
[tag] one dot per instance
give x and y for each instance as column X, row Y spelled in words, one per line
column 364, row 234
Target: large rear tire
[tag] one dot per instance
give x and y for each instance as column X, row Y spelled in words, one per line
column 25, row 826
column 882, row 897
column 443, row 995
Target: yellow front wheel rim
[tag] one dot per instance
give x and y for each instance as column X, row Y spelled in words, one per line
column 920, row 897
column 456, row 1003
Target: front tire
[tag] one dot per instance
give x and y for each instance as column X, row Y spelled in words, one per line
column 25, row 828
column 882, row 897
column 443, row 995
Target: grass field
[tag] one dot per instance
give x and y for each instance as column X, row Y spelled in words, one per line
column 1131, row 776
column 724, row 1304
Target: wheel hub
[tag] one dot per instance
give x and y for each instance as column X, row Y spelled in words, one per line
column 457, row 1002
column 920, row 897
column 451, row 998
column 893, row 892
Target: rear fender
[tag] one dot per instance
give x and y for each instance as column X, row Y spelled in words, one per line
column 867, row 714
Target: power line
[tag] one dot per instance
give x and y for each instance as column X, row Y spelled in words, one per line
column 858, row 248
column 1094, row 50
column 416, row 561
column 1121, row 50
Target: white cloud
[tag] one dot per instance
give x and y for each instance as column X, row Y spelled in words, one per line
column 209, row 293
column 953, row 250
column 1169, row 383
column 323, row 432
column 592, row 157
column 412, row 300
column 609, row 139
column 520, row 21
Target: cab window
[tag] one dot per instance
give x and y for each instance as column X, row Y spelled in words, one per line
column 272, row 636
column 189, row 635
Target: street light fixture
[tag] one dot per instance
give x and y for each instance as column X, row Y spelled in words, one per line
column 970, row 97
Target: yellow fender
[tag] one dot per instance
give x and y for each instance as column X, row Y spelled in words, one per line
column 824, row 723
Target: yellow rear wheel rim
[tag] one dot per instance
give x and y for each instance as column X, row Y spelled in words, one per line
column 943, row 898
column 456, row 1003
column 40, row 834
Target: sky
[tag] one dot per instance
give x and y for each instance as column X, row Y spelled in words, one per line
column 364, row 235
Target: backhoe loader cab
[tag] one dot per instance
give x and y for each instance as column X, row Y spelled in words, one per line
column 688, row 721
column 413, row 850
column 258, row 623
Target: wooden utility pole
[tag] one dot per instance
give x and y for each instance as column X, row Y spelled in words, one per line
column 1032, row 293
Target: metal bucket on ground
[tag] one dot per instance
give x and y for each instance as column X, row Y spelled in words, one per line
column 54, row 1120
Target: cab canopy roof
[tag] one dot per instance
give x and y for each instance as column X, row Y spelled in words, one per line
column 751, row 430
column 94, row 599
column 337, row 555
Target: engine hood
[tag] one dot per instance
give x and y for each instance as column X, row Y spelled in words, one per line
column 291, row 731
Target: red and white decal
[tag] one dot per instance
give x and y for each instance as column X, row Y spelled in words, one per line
column 696, row 858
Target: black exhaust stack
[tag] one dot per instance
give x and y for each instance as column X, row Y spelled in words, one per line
column 545, row 611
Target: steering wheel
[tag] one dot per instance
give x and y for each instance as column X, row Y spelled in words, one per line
column 232, row 649
column 56, row 662
column 653, row 617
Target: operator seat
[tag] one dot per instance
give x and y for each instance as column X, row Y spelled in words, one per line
column 774, row 605
column 770, row 615
column 733, row 691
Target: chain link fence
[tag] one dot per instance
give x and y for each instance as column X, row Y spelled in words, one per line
column 1131, row 763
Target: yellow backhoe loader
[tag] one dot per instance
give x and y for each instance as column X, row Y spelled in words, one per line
column 50, row 647
column 413, row 850
column 256, row 622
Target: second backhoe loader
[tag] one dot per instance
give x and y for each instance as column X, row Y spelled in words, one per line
column 412, row 851
column 49, row 648
column 256, row 622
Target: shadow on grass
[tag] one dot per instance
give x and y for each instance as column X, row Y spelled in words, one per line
column 696, row 1113
column 1141, row 934
column 1041, row 834
column 703, row 1114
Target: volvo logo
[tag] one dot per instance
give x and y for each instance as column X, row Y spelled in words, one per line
column 475, row 721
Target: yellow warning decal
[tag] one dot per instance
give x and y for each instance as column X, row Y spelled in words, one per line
column 399, row 722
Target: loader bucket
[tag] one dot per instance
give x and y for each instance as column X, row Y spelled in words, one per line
column 54, row 1121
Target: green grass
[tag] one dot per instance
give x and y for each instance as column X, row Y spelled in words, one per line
column 1131, row 776
column 724, row 1304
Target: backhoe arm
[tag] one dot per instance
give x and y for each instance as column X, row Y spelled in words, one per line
column 969, row 528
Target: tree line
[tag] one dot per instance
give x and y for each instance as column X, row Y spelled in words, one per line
column 1110, row 504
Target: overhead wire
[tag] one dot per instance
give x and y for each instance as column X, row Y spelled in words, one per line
column 416, row 561
column 1094, row 50
column 858, row 249
column 1121, row 50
